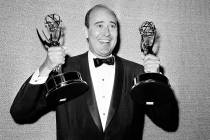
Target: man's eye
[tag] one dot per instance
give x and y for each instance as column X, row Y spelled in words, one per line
column 113, row 26
column 99, row 25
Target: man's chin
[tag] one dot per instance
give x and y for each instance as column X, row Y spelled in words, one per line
column 105, row 54
column 105, row 45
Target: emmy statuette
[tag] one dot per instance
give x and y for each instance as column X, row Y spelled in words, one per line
column 148, row 86
column 61, row 87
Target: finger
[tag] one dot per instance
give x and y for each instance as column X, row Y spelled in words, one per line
column 56, row 54
column 151, row 57
column 60, row 60
column 67, row 50
column 142, row 55
column 151, row 68
column 63, row 61
column 59, row 51
column 151, row 62
column 55, row 49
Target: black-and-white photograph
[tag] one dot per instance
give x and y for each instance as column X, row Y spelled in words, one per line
column 105, row 70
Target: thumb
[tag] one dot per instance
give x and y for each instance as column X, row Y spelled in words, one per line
column 67, row 50
column 142, row 55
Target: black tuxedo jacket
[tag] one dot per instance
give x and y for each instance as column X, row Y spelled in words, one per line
column 79, row 118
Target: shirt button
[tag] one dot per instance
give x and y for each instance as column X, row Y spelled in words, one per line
column 103, row 79
column 104, row 114
column 103, row 96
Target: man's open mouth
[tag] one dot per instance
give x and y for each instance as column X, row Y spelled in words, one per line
column 104, row 41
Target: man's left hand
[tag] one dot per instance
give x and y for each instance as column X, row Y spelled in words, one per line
column 151, row 64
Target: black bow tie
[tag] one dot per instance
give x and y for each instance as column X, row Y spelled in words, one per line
column 99, row 61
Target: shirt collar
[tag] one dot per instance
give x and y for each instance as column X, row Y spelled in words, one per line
column 91, row 56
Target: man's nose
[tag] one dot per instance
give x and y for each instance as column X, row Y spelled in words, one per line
column 107, row 31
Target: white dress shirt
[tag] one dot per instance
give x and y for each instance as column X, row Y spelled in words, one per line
column 37, row 79
column 103, row 81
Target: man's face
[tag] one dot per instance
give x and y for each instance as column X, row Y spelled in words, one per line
column 102, row 32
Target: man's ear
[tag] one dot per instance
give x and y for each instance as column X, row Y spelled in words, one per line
column 86, row 32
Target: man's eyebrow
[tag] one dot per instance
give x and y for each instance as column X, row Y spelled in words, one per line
column 98, row 22
column 113, row 22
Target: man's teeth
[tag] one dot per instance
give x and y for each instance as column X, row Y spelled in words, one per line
column 104, row 41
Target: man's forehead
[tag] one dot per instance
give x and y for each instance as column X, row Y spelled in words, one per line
column 100, row 12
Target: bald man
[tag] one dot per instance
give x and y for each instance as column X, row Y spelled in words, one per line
column 106, row 110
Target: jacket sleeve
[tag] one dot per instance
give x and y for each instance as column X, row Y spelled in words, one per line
column 29, row 104
column 157, row 99
column 165, row 111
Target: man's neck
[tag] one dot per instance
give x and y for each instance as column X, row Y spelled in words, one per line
column 98, row 56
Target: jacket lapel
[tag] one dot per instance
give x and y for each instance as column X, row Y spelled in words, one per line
column 117, row 90
column 90, row 96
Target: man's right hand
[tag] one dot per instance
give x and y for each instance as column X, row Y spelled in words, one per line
column 55, row 57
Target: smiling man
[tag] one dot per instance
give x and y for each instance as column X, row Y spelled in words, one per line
column 102, row 29
column 106, row 111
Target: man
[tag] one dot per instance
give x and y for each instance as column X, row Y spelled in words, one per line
column 106, row 110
